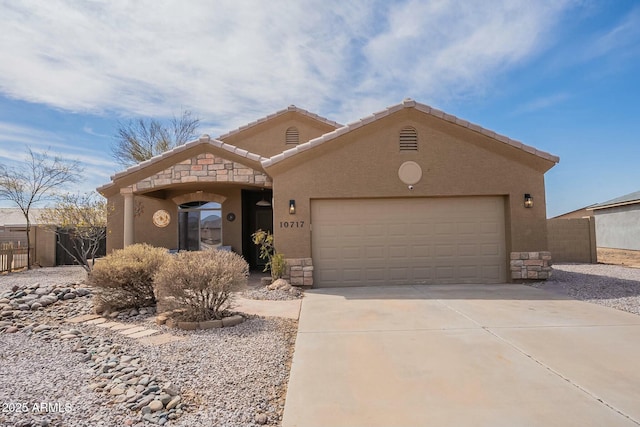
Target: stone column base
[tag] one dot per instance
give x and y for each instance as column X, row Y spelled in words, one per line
column 530, row 265
column 299, row 272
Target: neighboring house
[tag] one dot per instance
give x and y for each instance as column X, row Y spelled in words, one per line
column 618, row 222
column 13, row 225
column 13, row 233
column 407, row 195
column 578, row 213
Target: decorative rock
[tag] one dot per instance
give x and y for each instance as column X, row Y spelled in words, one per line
column 173, row 403
column 82, row 292
column 36, row 306
column 114, row 314
column 23, row 307
column 261, row 419
column 69, row 295
column 68, row 337
column 188, row 326
column 170, row 390
column 211, row 324
column 41, row 328
column 156, row 406
column 117, row 391
column 232, row 320
column 164, row 398
column 11, row 330
column 144, row 402
column 161, row 319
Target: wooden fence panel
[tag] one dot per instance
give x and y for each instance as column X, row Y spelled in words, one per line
column 13, row 258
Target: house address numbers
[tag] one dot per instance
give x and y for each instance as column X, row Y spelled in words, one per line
column 291, row 224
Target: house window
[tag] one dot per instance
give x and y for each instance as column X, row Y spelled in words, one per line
column 408, row 139
column 200, row 226
column 292, row 136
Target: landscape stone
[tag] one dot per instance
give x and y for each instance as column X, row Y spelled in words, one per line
column 173, row 403
column 156, row 406
column 232, row 320
column 117, row 391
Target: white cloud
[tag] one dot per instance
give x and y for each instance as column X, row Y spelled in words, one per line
column 96, row 167
column 234, row 61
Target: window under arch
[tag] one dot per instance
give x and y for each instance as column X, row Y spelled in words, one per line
column 292, row 136
column 408, row 139
column 199, row 226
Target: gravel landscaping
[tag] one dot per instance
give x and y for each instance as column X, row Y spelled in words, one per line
column 609, row 285
column 56, row 374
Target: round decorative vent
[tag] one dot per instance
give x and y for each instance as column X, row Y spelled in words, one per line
column 410, row 173
column 161, row 218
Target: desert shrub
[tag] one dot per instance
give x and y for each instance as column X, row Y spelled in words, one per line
column 200, row 283
column 278, row 266
column 275, row 260
column 124, row 278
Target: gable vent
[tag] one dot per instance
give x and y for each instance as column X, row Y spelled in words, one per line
column 408, row 139
column 292, row 136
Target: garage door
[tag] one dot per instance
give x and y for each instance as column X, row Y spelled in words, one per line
column 359, row 242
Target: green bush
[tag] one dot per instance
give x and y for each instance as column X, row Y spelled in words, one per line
column 275, row 261
column 124, row 278
column 278, row 266
column 200, row 283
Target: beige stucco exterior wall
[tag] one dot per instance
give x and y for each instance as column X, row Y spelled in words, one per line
column 455, row 162
column 573, row 239
column 45, row 244
column 268, row 139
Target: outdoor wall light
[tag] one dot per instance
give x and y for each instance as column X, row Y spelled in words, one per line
column 528, row 201
column 292, row 207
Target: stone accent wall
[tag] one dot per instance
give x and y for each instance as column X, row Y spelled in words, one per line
column 299, row 271
column 204, row 168
column 530, row 265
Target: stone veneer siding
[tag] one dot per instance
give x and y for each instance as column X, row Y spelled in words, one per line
column 204, row 168
column 530, row 265
column 299, row 271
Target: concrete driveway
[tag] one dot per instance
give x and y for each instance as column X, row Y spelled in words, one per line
column 462, row 355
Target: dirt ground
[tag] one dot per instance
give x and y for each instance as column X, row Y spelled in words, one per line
column 619, row 257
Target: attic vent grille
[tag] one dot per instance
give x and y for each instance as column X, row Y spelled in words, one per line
column 408, row 139
column 292, row 136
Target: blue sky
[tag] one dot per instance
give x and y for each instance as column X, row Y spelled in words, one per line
column 561, row 75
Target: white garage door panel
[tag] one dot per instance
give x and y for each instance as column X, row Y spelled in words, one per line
column 395, row 241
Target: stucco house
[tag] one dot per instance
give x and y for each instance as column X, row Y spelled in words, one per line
column 618, row 222
column 406, row 195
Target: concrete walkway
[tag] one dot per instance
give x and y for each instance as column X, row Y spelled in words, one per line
column 289, row 309
column 482, row 355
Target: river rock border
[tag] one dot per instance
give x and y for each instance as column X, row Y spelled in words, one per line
column 122, row 378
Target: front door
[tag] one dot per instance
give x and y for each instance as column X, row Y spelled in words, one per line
column 256, row 216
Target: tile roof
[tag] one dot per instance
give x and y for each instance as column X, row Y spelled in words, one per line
column 14, row 216
column 627, row 199
column 407, row 103
column 202, row 140
column 290, row 108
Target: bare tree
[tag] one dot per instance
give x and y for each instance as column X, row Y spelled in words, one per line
column 141, row 139
column 84, row 218
column 34, row 181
